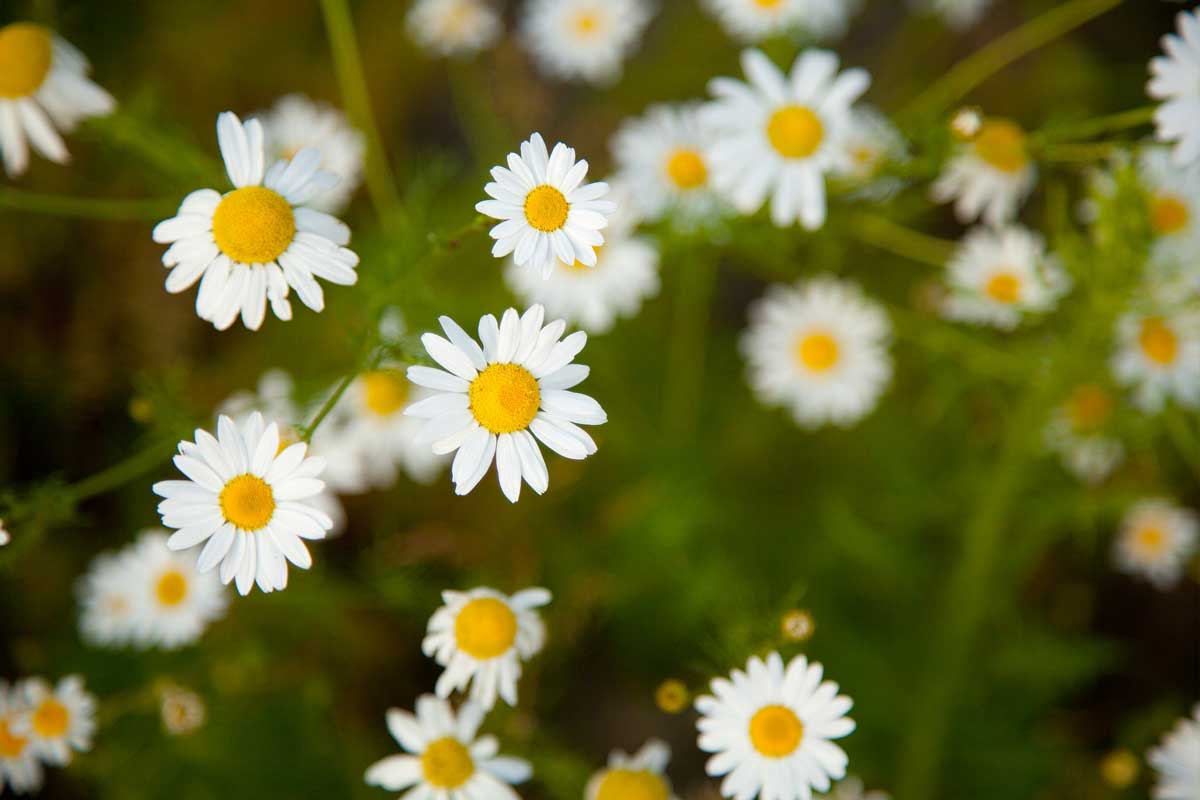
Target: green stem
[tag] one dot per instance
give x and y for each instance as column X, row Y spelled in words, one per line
column 899, row 240
column 120, row 473
column 1110, row 123
column 444, row 243
column 328, row 406
column 86, row 207
column 1184, row 437
column 1075, row 153
column 685, row 359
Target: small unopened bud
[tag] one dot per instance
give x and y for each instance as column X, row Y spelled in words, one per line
column 797, row 625
column 672, row 696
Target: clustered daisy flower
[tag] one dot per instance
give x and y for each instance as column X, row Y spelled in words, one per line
column 1173, row 202
column 1158, row 356
column 296, row 123
column 454, row 27
column 5, row 536
column 1176, row 82
column 1177, row 760
column 641, row 776
column 754, row 20
column 1156, row 541
column 1078, row 433
column 583, row 39
column 42, row 725
column 989, row 176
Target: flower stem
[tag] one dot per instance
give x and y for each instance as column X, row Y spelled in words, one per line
column 696, row 277
column 899, row 240
column 120, row 473
column 327, row 406
column 85, row 207
column 1110, row 123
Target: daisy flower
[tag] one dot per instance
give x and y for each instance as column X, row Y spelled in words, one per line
column 548, row 212
column 20, row 769
column 852, row 788
column 61, row 719
column 482, row 637
column 755, row 20
column 1158, row 355
column 5, row 537
column 454, row 27
column 779, row 135
column 254, row 242
column 295, row 123
column 989, row 176
column 1157, row 538
column 1177, row 760
column 826, row 19
column 996, row 277
column 106, row 599
column 770, row 727
column 444, row 758
column 583, row 39
column 246, row 499
column 821, row 348
column 641, row 776
column 871, row 142
column 181, row 710
column 172, row 602
column 958, row 14
column 1176, row 82
column 44, row 86
column 1076, row 433
column 1174, row 205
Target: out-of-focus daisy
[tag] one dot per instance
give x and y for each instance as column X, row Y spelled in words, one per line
column 1174, row 204
column 44, row 85
column 1177, row 760
column 852, row 788
column 20, row 769
column 1156, row 540
column 1076, row 432
column 797, row 625
column 254, row 242
column 641, row 776
column 672, row 696
column 548, row 212
column 1158, row 355
column 454, row 27
column 957, row 13
column 247, row 500
column 444, row 757
column 106, row 600
column 826, row 19
column 990, row 176
column 871, row 141
column 5, row 537
column 770, row 730
column 966, row 122
column 819, row 348
column 61, row 719
column 482, row 637
column 583, row 39
column 295, row 123
column 182, row 710
column 173, row 603
column 754, row 20
column 996, row 277
column 493, row 401
column 779, row 135
column 1176, row 81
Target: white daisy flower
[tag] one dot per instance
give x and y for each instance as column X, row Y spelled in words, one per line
column 819, row 348
column 1177, row 760
column 482, row 637
column 44, row 85
column 755, row 20
column 852, row 788
column 988, row 177
column 583, row 39
column 5, row 537
column 20, row 768
column 641, row 776
column 548, row 212
column 780, row 135
column 254, row 242
column 1174, row 203
column 826, row 19
column 106, row 599
column 996, row 277
column 295, row 123
column 958, row 14
column 1156, row 540
column 1076, row 433
column 770, row 727
column 61, row 719
column 248, row 500
column 1158, row 356
column 870, row 142
column 454, row 27
column 448, row 760
column 1176, row 81
column 493, row 401
column 172, row 602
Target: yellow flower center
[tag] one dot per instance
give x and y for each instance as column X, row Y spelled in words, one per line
column 1168, row 214
column 1088, row 408
column 588, row 23
column 546, row 208
column 385, row 391
column 447, row 763
column 505, row 398
column 171, row 588
column 485, row 628
column 686, row 169
column 1152, row 541
column 10, row 746
column 1004, row 287
column 767, row 3
column 776, row 731
column 795, row 131
column 816, row 352
column 1001, row 143
column 1157, row 341
column 248, row 502
column 1119, row 768
column 50, row 719
column 671, row 696
column 628, row 784
column 25, row 58
column 253, row 225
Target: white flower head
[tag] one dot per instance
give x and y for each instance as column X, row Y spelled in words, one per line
column 173, row 603
column 1156, row 540
column 454, row 27
column 20, row 767
column 255, row 243
column 1176, row 81
column 1077, row 433
column 106, row 599
column 958, row 14
column 755, row 20
column 5, row 536
column 583, row 39
column 1174, row 205
column 1158, row 356
column 870, row 142
column 61, row 719
column 852, row 788
column 641, row 776
column 990, row 176
column 1177, row 761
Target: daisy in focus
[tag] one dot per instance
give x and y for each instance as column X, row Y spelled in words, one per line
column 20, row 768
column 852, row 788
column 493, row 401
column 1156, row 540
column 1077, row 433
column 770, row 728
column 583, row 39
column 444, row 756
column 295, row 123
column 454, row 27
column 819, row 348
column 988, row 177
column 997, row 277
column 755, row 20
column 1174, row 206
column 641, row 776
column 44, row 89
column 958, row 14
column 61, row 719
column 255, row 243
column 1176, row 82
column 247, row 500
column 547, row 211
column 780, row 135
column 482, row 637
column 1177, row 760
column 1158, row 356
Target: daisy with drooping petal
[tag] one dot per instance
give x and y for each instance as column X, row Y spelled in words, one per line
column 493, row 401
column 548, row 212
column 852, row 788
column 997, row 277
column 583, row 39
column 1177, row 760
column 172, row 602
column 779, row 135
column 1176, row 81
column 957, row 13
column 444, row 757
column 44, row 85
column 1076, row 432
column 819, row 348
column 770, row 727
column 755, row 20
column 20, row 769
column 988, row 177
column 641, row 776
column 61, row 719
column 248, row 500
column 1174, row 205
column 454, row 27
column 250, row 245
column 482, row 637
column 295, row 123
column 1158, row 356
column 1157, row 538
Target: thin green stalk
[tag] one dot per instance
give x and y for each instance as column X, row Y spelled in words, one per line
column 328, row 406
column 1184, row 437
column 1075, row 153
column 1110, row 123
column 907, row 243
column 86, row 207
column 120, row 473
column 685, row 357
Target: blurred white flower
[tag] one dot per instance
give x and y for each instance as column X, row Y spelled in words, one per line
column 641, row 776
column 1176, row 81
column 454, row 27
column 61, row 719
column 1156, row 540
column 957, row 13
column 1076, row 432
column 583, row 39
column 1177, row 760
column 182, row 710
column 1158, row 356
column 988, row 177
column 20, row 767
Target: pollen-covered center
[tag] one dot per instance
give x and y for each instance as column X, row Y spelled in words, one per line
column 1152, row 541
column 504, row 398
column 1004, row 287
column 11, row 746
column 485, row 628
column 50, row 719
column 776, row 731
column 248, row 502
column 588, row 23
column 1001, row 143
column 1088, row 408
column 816, row 352
column 25, row 58
column 1168, row 214
column 1158, row 342
column 546, row 208
column 628, row 784
column 171, row 589
column 447, row 763
column 686, row 169
column 795, row 131
column 253, row 225
column 385, row 391
column 767, row 3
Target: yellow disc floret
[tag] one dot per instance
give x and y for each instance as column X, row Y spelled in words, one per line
column 1151, row 541
column 50, row 719
column 546, row 208
column 1088, row 408
column 253, row 225
column 25, row 58
column 171, row 589
column 686, row 169
column 776, row 731
column 628, row 784
column 1004, row 287
column 1168, row 214
column 1001, row 143
column 485, row 628
column 385, row 391
column 11, row 746
column 795, row 131
column 447, row 763
column 672, row 696
column 505, row 398
column 1158, row 342
column 816, row 352
column 248, row 502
